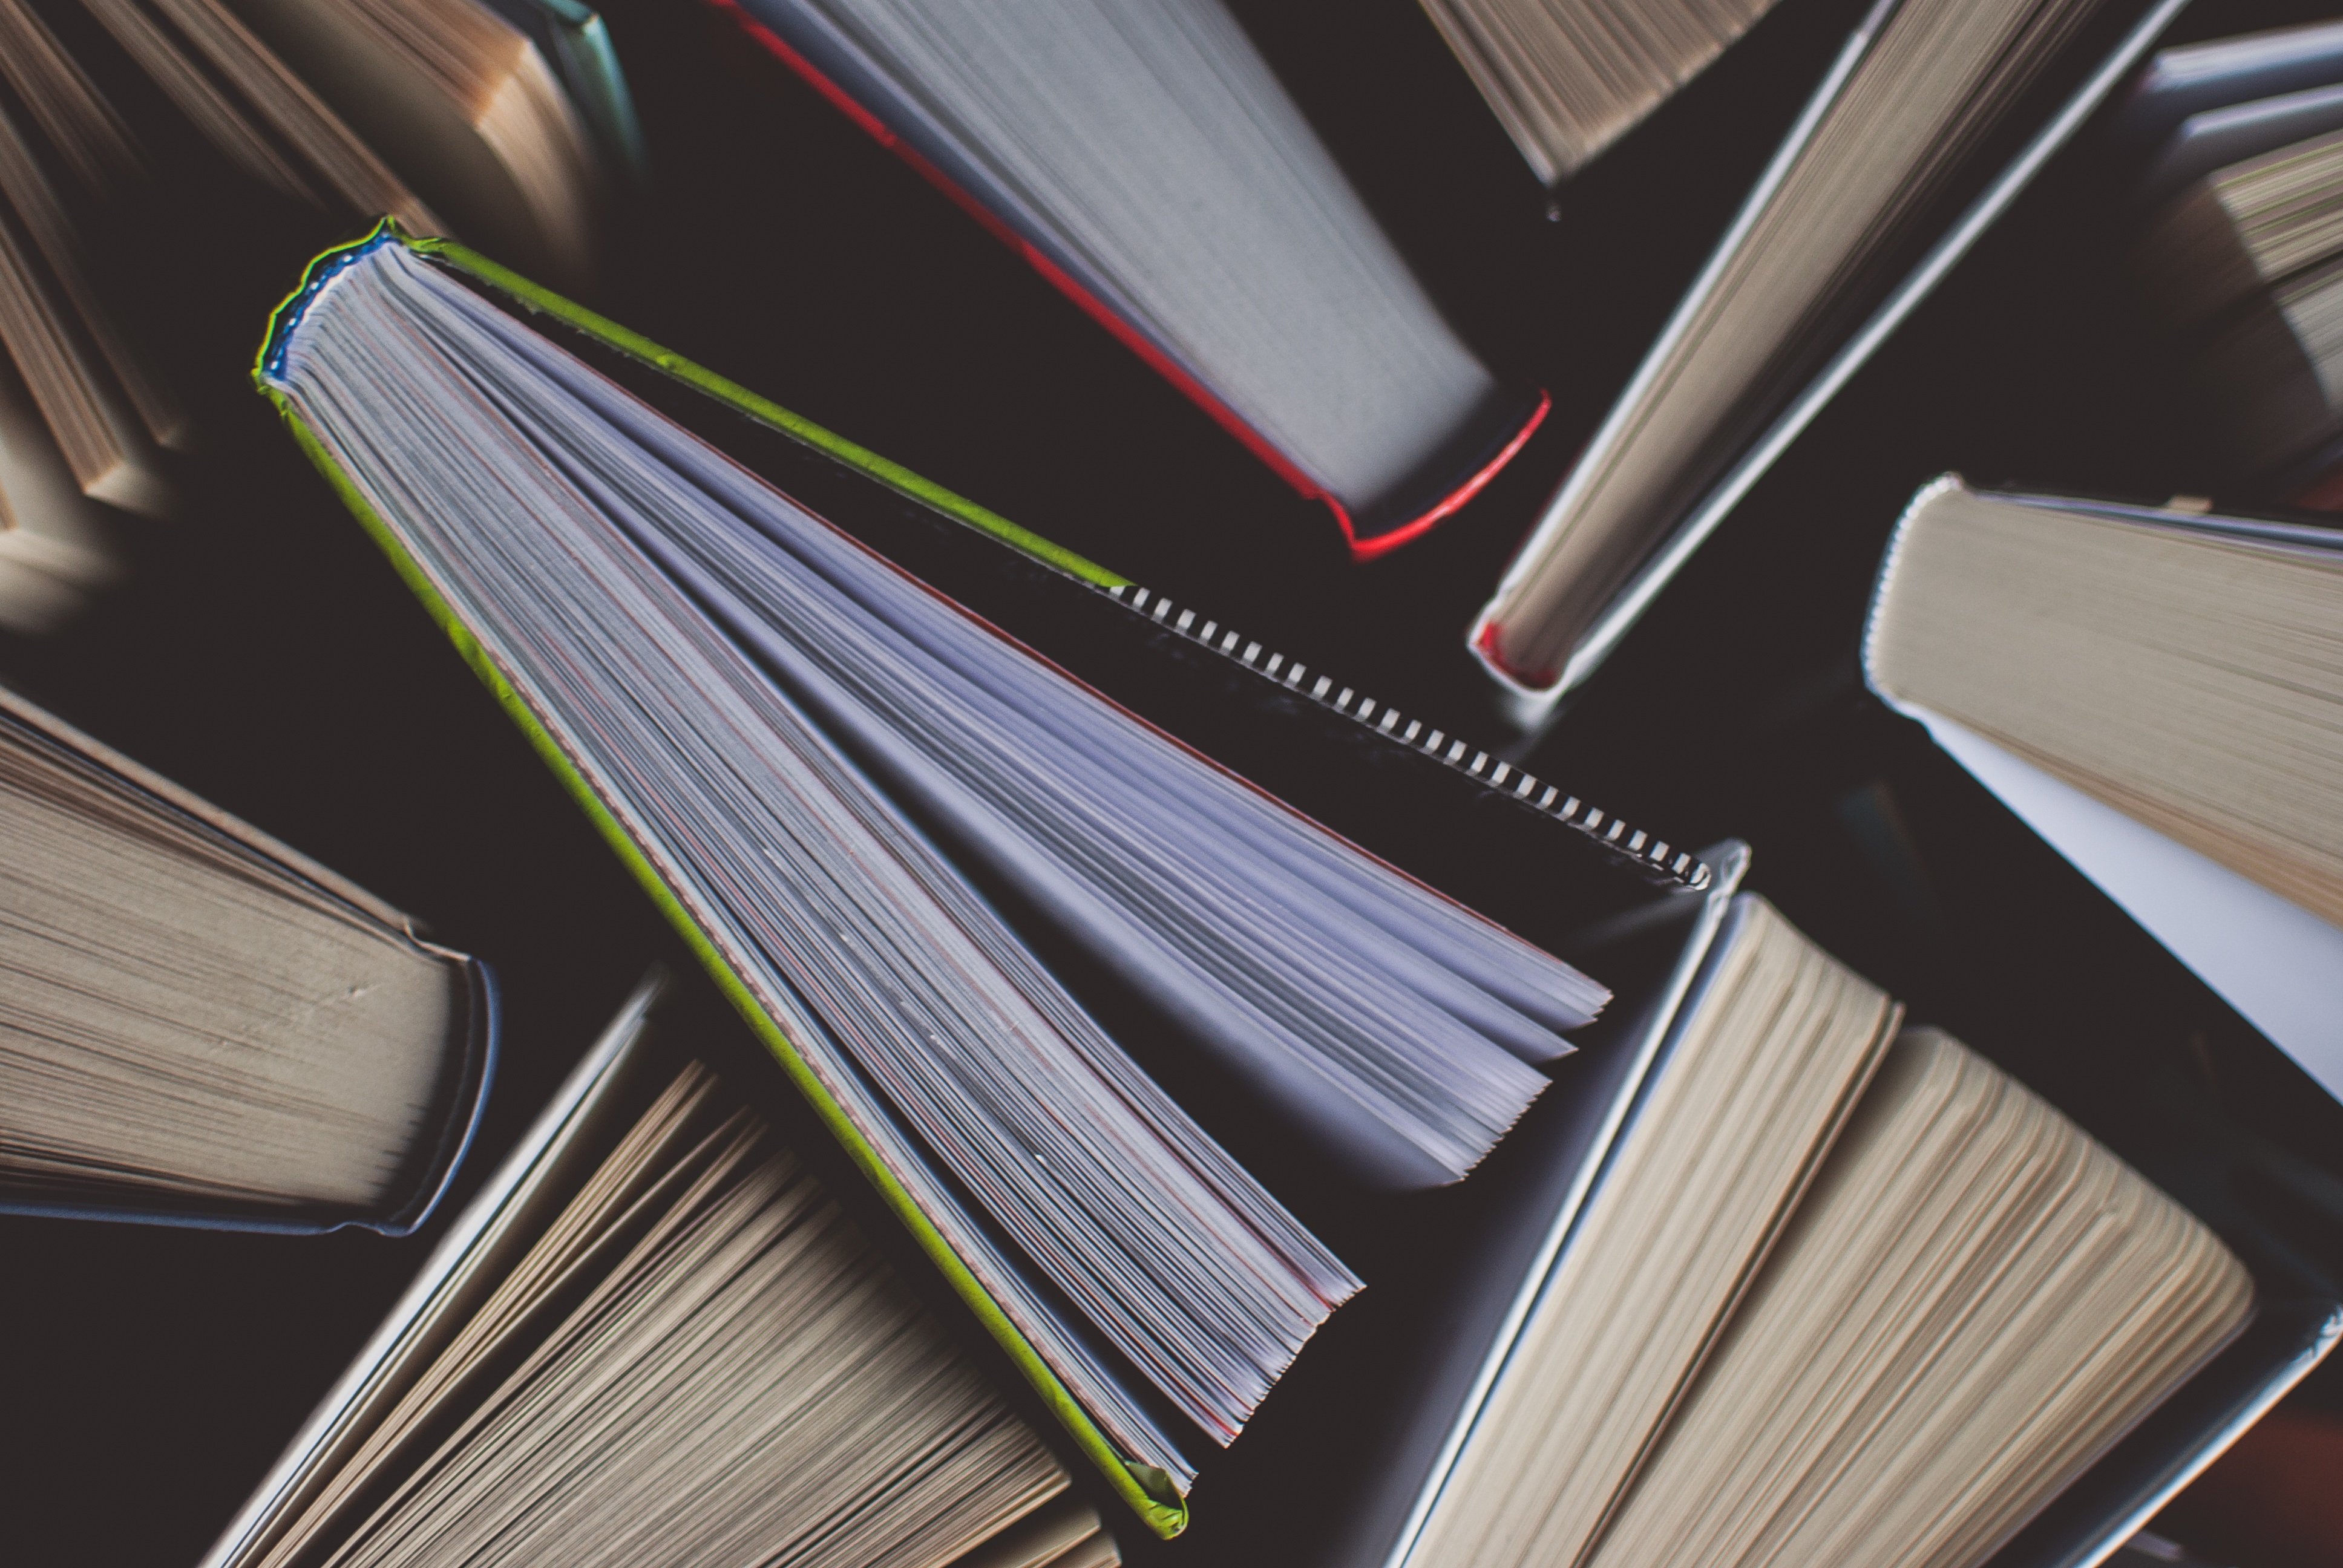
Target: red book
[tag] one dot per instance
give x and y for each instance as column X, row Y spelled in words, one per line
column 1139, row 154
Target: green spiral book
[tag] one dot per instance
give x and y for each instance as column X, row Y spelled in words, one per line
column 803, row 755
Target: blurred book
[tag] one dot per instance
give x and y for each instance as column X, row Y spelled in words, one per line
column 56, row 545
column 1141, row 155
column 654, row 1338
column 203, row 1027
column 436, row 113
column 2240, row 259
column 2201, row 106
column 1567, row 78
column 2160, row 694
column 467, row 108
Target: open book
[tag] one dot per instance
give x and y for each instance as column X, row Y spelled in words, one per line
column 1900, row 137
column 654, row 1337
column 836, row 782
column 2158, row 693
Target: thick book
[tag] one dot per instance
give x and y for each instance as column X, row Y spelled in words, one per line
column 764, row 1388
column 203, row 1027
column 2158, row 694
column 1142, row 157
column 1894, row 171
column 1970, row 1303
column 835, row 781
column 1869, row 1329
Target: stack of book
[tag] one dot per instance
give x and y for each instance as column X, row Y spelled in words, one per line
column 1108, row 1087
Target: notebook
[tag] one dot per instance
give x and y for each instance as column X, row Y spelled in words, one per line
column 2156, row 693
column 760, row 1385
column 875, row 758
column 1144, row 160
column 203, row 1027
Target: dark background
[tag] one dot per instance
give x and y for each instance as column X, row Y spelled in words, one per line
column 264, row 656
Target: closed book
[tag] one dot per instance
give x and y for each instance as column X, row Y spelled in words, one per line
column 205, row 1027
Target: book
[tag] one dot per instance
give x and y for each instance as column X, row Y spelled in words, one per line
column 1389, row 1035
column 466, row 103
column 2234, row 261
column 2201, row 106
column 57, row 545
column 103, row 104
column 86, row 156
column 203, row 1027
column 1567, row 78
column 576, row 43
column 1829, row 254
column 1972, row 1301
column 2154, row 690
column 1146, row 162
column 762, row 1386
column 1395, row 1409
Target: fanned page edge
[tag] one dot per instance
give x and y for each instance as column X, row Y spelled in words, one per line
column 1497, row 453
column 1148, row 1492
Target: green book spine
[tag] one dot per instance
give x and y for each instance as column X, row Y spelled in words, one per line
column 1146, row 1489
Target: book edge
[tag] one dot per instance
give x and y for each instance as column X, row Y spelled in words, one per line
column 1692, row 966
